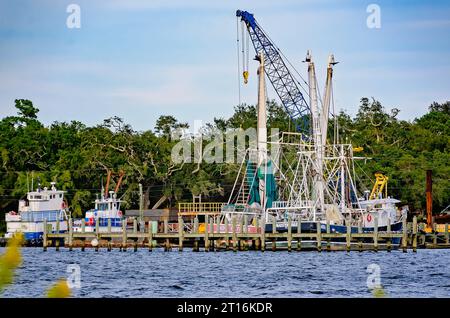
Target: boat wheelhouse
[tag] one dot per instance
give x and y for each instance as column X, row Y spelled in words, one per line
column 41, row 205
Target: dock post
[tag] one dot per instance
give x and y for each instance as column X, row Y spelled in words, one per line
column 319, row 237
column 44, row 242
column 57, row 232
column 245, row 230
column 348, row 237
column 446, row 234
column 414, row 238
column 97, row 225
column 83, row 225
column 217, row 241
column 196, row 247
column 135, row 233
column 234, row 234
column 150, row 235
column 207, row 233
column 227, row 238
column 167, row 246
column 389, row 240
column 328, row 239
column 289, row 234
column 124, row 234
column 180, row 233
column 274, row 230
column 109, row 247
column 241, row 231
column 375, row 233
column 263, row 233
column 299, row 231
column 405, row 234
column 70, row 233
column 360, row 247
column 211, row 228
column 434, row 233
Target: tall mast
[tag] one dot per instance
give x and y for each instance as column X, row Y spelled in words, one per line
column 318, row 187
column 262, row 126
column 327, row 99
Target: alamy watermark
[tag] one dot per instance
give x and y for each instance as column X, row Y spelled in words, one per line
column 223, row 147
column 73, row 21
column 74, row 276
column 374, row 19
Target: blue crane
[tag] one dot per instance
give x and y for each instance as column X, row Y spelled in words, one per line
column 277, row 72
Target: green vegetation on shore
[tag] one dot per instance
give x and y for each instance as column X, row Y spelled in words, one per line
column 77, row 157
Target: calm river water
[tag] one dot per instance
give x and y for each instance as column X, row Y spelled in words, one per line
column 227, row 274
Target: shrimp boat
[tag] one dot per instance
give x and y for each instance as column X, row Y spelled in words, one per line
column 42, row 204
column 106, row 212
column 106, row 215
column 306, row 179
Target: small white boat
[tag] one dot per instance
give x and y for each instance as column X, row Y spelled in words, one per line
column 42, row 204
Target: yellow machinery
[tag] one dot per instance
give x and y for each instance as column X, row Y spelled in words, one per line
column 379, row 187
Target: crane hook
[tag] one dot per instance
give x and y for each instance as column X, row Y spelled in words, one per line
column 245, row 74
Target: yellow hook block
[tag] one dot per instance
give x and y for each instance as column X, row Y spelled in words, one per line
column 245, row 74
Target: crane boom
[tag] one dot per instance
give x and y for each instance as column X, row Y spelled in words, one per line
column 278, row 74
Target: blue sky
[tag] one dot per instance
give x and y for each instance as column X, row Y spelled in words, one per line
column 141, row 59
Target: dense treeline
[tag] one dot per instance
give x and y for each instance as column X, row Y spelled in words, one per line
column 77, row 157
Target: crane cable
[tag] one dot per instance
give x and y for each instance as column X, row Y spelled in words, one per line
column 245, row 52
column 238, row 62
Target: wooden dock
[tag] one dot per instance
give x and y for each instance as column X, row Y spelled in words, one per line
column 213, row 236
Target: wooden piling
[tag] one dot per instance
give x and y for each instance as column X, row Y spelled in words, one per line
column 44, row 243
column 289, row 234
column 167, row 246
column 196, row 246
column 360, row 245
column 97, row 225
column 299, row 231
column 328, row 239
column 150, row 236
column 70, row 234
column 211, row 230
column 389, row 240
column 234, row 233
column 263, row 234
column 375, row 233
column 109, row 225
column 124, row 235
column 180, row 233
column 434, row 234
column 274, row 230
column 319, row 237
column 241, row 231
column 206, row 233
column 227, row 238
column 348, row 237
column 446, row 234
column 405, row 234
column 414, row 238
